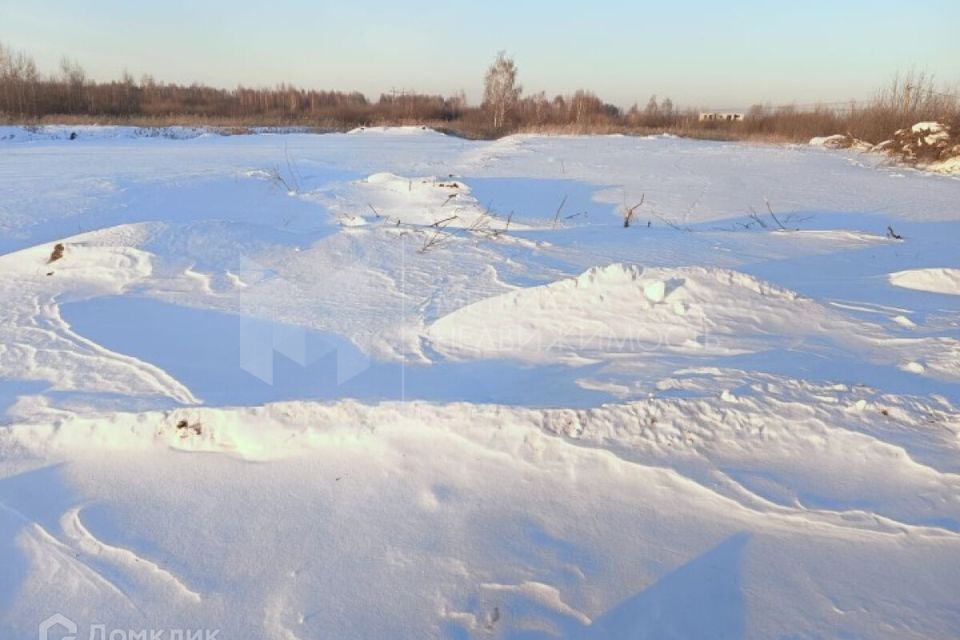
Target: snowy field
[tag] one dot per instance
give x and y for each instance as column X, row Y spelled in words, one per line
column 394, row 384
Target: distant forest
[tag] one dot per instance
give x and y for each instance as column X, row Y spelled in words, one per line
column 28, row 96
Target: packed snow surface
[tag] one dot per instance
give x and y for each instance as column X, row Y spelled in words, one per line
column 392, row 383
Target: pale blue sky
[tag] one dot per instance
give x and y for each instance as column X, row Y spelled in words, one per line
column 699, row 52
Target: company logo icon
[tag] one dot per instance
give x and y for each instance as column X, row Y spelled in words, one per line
column 48, row 629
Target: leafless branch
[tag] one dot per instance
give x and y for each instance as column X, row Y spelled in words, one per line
column 445, row 220
column 671, row 224
column 559, row 209
column 628, row 213
column 774, row 216
column 756, row 217
column 449, row 198
column 292, row 169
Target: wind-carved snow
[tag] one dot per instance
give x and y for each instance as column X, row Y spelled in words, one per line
column 38, row 345
column 152, row 576
column 808, row 471
column 706, row 424
column 434, row 202
column 619, row 311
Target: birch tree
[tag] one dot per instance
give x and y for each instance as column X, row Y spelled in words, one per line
column 501, row 91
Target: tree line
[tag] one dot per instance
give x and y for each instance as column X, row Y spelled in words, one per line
column 69, row 95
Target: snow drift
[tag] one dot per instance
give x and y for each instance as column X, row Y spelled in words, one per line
column 944, row 280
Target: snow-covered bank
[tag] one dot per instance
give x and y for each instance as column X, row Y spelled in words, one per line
column 930, row 146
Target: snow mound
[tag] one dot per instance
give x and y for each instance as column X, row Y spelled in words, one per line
column 950, row 165
column 433, row 202
column 395, row 131
column 627, row 314
column 932, row 146
column 840, row 141
column 927, row 145
column 615, row 310
column 928, row 128
column 943, row 280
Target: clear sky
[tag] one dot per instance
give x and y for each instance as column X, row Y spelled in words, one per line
column 698, row 52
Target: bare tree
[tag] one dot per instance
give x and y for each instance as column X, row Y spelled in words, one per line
column 28, row 95
column 666, row 109
column 501, row 91
column 74, row 77
column 652, row 112
column 18, row 80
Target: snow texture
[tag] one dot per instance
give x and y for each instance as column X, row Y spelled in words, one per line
column 391, row 383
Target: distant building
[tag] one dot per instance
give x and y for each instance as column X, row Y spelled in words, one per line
column 721, row 117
